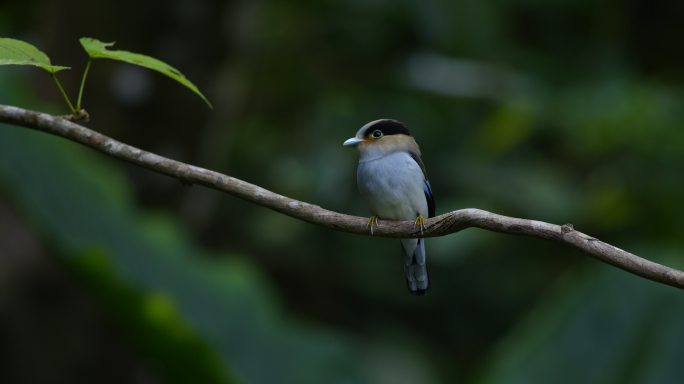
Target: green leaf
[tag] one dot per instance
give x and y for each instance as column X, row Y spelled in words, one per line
column 17, row 52
column 97, row 49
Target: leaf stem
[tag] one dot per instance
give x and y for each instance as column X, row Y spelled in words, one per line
column 83, row 80
column 61, row 89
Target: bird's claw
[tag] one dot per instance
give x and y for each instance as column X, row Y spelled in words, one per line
column 420, row 222
column 373, row 220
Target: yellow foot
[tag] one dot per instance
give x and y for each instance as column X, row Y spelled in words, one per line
column 420, row 221
column 373, row 220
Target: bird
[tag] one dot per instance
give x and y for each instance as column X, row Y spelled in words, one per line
column 391, row 178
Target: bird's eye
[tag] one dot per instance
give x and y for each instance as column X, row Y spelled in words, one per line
column 377, row 134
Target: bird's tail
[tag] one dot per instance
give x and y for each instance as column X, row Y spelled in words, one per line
column 415, row 266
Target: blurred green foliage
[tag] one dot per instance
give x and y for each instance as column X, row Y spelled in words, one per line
column 228, row 303
column 559, row 111
column 152, row 320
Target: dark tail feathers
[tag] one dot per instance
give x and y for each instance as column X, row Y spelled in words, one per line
column 415, row 266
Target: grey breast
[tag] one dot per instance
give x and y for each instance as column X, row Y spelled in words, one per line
column 393, row 186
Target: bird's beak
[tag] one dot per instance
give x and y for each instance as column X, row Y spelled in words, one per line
column 352, row 142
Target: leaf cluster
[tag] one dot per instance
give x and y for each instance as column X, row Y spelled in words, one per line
column 18, row 52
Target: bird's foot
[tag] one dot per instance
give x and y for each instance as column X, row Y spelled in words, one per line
column 420, row 222
column 373, row 220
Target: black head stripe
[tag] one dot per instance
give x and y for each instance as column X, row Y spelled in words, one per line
column 388, row 127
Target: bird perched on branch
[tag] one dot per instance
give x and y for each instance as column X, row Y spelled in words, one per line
column 391, row 178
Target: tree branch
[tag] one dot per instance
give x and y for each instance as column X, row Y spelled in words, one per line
column 437, row 226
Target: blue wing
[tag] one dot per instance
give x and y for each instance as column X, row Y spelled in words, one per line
column 415, row 265
column 427, row 188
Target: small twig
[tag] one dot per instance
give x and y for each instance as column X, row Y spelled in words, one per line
column 79, row 115
column 61, row 90
column 437, row 226
column 83, row 80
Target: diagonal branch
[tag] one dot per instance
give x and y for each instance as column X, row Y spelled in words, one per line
column 437, row 226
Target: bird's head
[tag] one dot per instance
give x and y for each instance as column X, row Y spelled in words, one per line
column 382, row 137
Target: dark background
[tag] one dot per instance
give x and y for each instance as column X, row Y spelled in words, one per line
column 562, row 111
